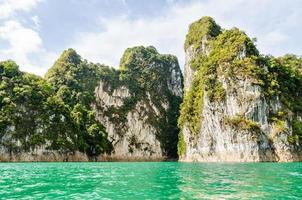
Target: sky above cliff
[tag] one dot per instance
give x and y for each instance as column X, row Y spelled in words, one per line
column 35, row 32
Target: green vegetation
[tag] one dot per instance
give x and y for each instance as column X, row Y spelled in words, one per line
column 146, row 73
column 206, row 26
column 182, row 146
column 232, row 52
column 55, row 110
column 297, row 131
column 284, row 80
column 231, row 55
column 243, row 123
column 279, row 123
column 23, row 100
column 74, row 82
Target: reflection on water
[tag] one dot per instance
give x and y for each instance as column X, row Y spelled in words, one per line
column 241, row 181
column 166, row 180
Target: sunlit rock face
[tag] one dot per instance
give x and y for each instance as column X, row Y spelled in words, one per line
column 83, row 111
column 139, row 108
column 227, row 115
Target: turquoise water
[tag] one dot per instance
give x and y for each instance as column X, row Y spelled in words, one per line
column 150, row 180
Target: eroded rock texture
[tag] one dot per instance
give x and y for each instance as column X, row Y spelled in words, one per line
column 232, row 109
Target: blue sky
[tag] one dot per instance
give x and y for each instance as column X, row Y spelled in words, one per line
column 35, row 32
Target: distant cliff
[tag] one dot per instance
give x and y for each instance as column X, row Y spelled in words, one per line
column 50, row 119
column 83, row 111
column 238, row 105
column 139, row 105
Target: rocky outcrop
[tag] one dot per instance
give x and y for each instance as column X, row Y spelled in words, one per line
column 227, row 114
column 134, row 138
column 83, row 111
column 140, row 107
column 44, row 156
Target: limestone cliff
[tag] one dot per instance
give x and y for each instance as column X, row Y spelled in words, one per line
column 50, row 119
column 238, row 105
column 83, row 111
column 139, row 107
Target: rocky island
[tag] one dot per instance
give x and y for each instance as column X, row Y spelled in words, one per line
column 239, row 105
column 83, row 111
column 233, row 104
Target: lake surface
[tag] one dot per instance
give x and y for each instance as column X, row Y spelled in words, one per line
column 150, row 180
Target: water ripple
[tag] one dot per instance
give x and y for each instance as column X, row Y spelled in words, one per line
column 166, row 180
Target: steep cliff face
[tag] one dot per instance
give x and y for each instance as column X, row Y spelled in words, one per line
column 139, row 106
column 237, row 104
column 50, row 119
column 83, row 111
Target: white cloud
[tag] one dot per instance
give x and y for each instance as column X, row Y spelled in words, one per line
column 23, row 42
column 20, row 38
column 9, row 7
column 276, row 24
column 270, row 21
column 36, row 21
column 120, row 33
